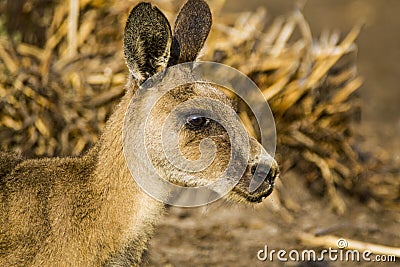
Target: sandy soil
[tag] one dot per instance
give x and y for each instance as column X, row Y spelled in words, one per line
column 230, row 235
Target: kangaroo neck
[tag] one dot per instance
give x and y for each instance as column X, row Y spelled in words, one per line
column 129, row 213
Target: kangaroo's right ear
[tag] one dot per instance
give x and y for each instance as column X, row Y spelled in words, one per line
column 147, row 41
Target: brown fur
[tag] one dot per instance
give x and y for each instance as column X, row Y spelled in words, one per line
column 88, row 211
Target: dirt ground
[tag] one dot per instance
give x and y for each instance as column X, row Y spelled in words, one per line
column 230, row 235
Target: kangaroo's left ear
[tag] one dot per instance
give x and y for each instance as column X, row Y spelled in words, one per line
column 192, row 27
column 147, row 41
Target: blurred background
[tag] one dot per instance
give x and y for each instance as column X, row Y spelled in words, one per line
column 378, row 55
column 333, row 91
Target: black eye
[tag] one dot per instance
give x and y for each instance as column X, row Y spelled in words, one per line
column 196, row 122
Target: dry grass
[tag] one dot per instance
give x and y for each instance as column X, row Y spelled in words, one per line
column 56, row 96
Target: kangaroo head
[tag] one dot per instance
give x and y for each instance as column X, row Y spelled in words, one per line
column 150, row 47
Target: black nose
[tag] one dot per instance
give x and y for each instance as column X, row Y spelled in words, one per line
column 265, row 172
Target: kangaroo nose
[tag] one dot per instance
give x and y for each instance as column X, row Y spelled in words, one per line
column 265, row 172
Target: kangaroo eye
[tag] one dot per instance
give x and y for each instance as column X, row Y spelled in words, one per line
column 195, row 122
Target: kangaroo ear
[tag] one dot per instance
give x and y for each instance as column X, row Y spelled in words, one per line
column 147, row 41
column 190, row 32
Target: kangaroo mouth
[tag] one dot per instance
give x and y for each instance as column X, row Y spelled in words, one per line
column 241, row 192
column 264, row 190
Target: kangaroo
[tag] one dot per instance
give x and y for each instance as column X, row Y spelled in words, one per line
column 87, row 210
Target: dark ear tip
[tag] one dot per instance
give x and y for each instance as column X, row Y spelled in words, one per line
column 141, row 5
column 198, row 6
column 144, row 5
column 142, row 8
column 202, row 2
